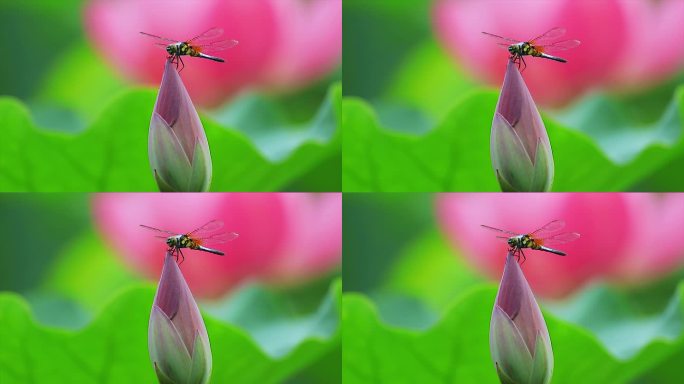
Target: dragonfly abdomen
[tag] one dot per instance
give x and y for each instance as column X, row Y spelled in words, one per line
column 202, row 55
column 554, row 251
column 527, row 242
column 555, row 58
column 186, row 242
column 214, row 251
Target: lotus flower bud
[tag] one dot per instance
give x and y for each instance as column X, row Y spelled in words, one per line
column 520, row 148
column 518, row 338
column 178, row 341
column 178, row 148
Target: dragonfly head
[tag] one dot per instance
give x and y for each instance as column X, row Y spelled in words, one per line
column 171, row 49
column 514, row 242
column 171, row 242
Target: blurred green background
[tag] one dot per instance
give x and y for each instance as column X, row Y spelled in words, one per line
column 413, row 307
column 409, row 106
column 55, row 88
column 62, row 288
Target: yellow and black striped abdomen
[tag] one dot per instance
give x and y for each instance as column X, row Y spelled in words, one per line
column 528, row 242
column 191, row 243
column 186, row 241
column 189, row 50
column 531, row 50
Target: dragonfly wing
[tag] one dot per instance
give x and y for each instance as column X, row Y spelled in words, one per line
column 217, row 46
column 502, row 40
column 159, row 230
column 218, row 238
column 498, row 230
column 211, row 226
column 161, row 239
column 159, row 37
column 209, row 34
column 549, row 228
column 161, row 46
column 558, row 46
column 560, row 238
column 551, row 34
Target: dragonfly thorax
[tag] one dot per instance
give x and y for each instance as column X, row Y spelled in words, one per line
column 520, row 49
column 521, row 241
column 177, row 49
column 180, row 241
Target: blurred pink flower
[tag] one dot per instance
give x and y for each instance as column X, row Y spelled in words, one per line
column 284, row 237
column 283, row 43
column 626, row 238
column 624, row 43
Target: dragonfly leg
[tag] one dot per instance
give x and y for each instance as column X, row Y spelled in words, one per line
column 524, row 64
column 174, row 252
column 182, row 63
column 181, row 255
column 523, row 257
column 514, row 252
column 516, row 60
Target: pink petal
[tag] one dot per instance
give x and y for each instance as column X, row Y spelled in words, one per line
column 656, row 248
column 310, row 42
column 655, row 28
column 314, row 240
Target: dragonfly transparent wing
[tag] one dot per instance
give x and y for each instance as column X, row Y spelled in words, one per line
column 209, row 34
column 169, row 233
column 548, row 229
column 218, row 238
column 547, row 36
column 206, row 229
column 558, row 46
column 499, row 230
column 217, row 46
column 502, row 41
column 560, row 238
column 160, row 39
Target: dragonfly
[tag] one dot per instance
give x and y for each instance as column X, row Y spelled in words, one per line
column 198, row 46
column 540, row 46
column 195, row 239
column 537, row 240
